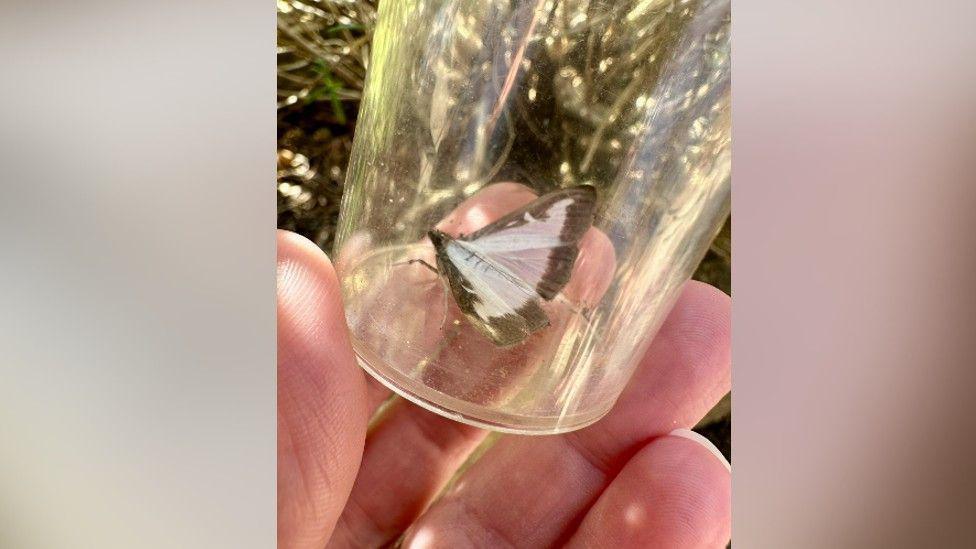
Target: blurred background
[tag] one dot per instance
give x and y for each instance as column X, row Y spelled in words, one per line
column 323, row 54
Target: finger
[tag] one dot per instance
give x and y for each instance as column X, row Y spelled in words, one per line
column 376, row 394
column 685, row 372
column 410, row 455
column 532, row 491
column 485, row 206
column 674, row 493
column 321, row 397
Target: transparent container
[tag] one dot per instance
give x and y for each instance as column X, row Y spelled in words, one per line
column 472, row 109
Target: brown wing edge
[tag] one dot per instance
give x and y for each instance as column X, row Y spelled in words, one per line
column 579, row 218
column 583, row 208
column 514, row 328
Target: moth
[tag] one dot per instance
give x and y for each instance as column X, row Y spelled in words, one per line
column 499, row 273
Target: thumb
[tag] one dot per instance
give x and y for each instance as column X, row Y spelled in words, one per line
column 322, row 410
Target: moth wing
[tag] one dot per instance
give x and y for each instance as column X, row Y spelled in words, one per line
column 497, row 303
column 539, row 243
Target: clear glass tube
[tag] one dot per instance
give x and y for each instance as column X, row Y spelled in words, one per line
column 472, row 108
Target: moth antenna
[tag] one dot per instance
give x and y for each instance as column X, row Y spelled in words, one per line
column 417, row 260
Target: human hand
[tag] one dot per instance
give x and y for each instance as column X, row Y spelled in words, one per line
column 630, row 480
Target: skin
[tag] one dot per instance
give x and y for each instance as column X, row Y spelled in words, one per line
column 633, row 479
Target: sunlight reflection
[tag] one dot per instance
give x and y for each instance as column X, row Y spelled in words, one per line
column 423, row 539
column 634, row 515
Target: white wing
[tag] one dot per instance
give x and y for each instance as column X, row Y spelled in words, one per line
column 539, row 242
column 498, row 303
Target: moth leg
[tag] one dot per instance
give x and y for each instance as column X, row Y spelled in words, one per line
column 441, row 346
column 446, row 309
column 586, row 312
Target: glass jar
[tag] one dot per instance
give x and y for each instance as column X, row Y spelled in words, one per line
column 472, row 109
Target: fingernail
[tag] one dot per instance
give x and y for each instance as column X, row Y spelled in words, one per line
column 693, row 436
